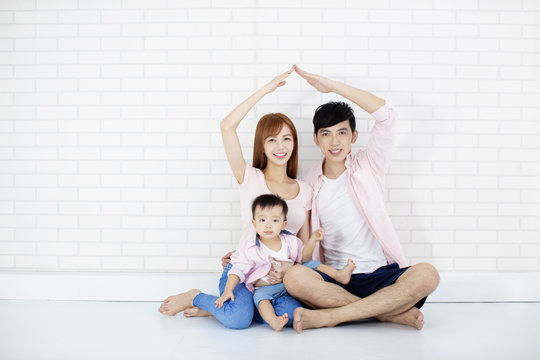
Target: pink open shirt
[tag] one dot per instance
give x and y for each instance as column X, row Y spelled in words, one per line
column 366, row 170
column 251, row 262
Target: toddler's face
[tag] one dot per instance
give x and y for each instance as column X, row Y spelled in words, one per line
column 269, row 222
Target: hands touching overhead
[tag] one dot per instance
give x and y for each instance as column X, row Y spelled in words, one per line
column 319, row 82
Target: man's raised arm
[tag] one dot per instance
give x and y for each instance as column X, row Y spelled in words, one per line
column 364, row 99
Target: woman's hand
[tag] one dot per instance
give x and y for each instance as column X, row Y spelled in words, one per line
column 277, row 81
column 319, row 82
column 226, row 259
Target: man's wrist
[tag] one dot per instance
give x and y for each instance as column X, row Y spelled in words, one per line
column 337, row 87
column 333, row 85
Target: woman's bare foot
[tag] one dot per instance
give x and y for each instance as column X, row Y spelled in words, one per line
column 278, row 322
column 344, row 275
column 176, row 303
column 196, row 312
column 412, row 317
column 307, row 319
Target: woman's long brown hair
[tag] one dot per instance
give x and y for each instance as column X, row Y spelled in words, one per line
column 271, row 125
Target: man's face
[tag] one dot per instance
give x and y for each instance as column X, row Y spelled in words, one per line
column 335, row 141
column 269, row 221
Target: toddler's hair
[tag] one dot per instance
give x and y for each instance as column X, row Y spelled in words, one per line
column 268, row 201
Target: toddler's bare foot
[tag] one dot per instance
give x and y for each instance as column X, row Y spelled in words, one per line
column 176, row 303
column 196, row 312
column 412, row 317
column 278, row 322
column 344, row 275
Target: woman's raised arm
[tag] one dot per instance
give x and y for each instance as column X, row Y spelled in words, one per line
column 233, row 150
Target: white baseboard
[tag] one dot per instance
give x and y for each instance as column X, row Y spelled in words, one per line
column 454, row 286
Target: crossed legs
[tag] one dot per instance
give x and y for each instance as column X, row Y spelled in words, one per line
column 394, row 303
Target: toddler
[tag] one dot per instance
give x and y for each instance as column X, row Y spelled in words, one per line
column 253, row 259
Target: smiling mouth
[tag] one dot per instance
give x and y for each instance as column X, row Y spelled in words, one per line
column 280, row 155
column 335, row 152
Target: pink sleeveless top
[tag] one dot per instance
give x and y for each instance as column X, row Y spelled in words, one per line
column 254, row 185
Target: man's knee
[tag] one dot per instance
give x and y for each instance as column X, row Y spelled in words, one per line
column 428, row 278
column 422, row 279
column 294, row 279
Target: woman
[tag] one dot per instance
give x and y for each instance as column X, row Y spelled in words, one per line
column 275, row 163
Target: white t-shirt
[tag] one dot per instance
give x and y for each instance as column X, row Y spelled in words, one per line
column 281, row 255
column 346, row 233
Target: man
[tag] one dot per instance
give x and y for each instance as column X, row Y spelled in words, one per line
column 348, row 203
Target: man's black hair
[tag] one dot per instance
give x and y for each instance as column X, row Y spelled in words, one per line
column 268, row 201
column 333, row 113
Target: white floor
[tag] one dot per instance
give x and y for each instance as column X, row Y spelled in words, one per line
column 135, row 330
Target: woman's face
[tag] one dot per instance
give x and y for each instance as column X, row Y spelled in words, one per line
column 279, row 148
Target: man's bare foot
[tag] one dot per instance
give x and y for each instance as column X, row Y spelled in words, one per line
column 278, row 322
column 344, row 275
column 176, row 303
column 412, row 317
column 196, row 312
column 307, row 319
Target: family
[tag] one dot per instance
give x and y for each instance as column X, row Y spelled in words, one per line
column 335, row 215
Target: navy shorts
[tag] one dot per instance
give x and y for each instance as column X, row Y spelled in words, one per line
column 363, row 285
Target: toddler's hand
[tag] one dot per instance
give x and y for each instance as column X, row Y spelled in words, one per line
column 221, row 300
column 319, row 234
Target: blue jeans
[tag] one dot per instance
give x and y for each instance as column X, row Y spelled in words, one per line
column 276, row 291
column 239, row 314
column 270, row 292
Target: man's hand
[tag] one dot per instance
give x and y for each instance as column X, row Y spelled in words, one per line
column 319, row 82
column 277, row 81
column 226, row 259
column 366, row 100
column 226, row 296
column 277, row 271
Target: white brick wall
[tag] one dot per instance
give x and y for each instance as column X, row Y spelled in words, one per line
column 110, row 153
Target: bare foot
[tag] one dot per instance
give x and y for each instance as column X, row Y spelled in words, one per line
column 196, row 312
column 344, row 275
column 307, row 319
column 176, row 303
column 412, row 317
column 278, row 322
